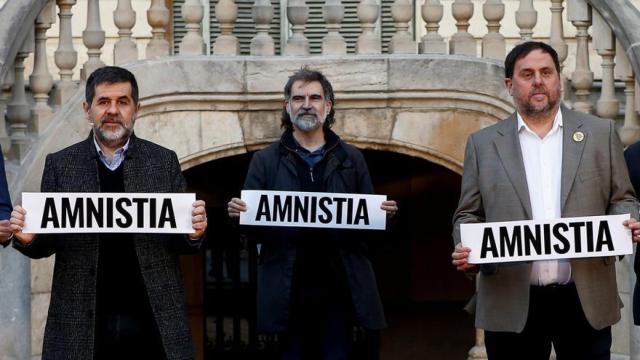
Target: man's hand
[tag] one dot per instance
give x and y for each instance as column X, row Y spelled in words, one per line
column 633, row 225
column 235, row 206
column 17, row 222
column 5, row 231
column 460, row 256
column 198, row 219
column 390, row 207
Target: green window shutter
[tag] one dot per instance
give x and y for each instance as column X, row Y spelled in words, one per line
column 316, row 27
column 179, row 29
column 245, row 28
column 388, row 26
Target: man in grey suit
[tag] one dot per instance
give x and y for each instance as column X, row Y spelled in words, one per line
column 544, row 162
column 114, row 296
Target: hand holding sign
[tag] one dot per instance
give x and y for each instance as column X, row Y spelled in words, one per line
column 460, row 258
column 17, row 222
column 633, row 225
column 235, row 207
column 198, row 219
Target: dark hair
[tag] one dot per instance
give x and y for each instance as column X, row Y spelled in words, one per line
column 110, row 75
column 307, row 75
column 522, row 50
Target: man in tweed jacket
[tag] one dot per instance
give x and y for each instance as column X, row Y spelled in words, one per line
column 114, row 296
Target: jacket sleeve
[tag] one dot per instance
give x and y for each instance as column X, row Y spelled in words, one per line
column 256, row 175
column 181, row 244
column 470, row 208
column 622, row 199
column 43, row 245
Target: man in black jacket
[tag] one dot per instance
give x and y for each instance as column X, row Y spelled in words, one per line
column 114, row 296
column 313, row 285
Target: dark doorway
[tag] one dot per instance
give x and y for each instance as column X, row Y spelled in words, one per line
column 422, row 293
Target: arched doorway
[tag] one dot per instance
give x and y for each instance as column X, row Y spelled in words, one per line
column 422, row 293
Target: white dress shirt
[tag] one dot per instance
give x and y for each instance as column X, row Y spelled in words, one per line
column 542, row 159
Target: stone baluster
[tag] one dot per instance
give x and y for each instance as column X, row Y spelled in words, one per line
column 226, row 43
column 93, row 39
column 579, row 13
column 630, row 131
column 402, row 41
column 262, row 44
column 297, row 14
column 526, row 19
column 18, row 109
column 192, row 42
column 556, row 37
column 605, row 44
column 432, row 42
column 125, row 49
column 333, row 43
column 5, row 95
column 462, row 42
column 493, row 44
column 368, row 41
column 41, row 81
column 158, row 19
column 65, row 56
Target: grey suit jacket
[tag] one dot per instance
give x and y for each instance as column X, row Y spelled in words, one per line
column 494, row 188
column 70, row 329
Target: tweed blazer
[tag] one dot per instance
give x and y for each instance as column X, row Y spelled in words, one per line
column 494, row 188
column 70, row 329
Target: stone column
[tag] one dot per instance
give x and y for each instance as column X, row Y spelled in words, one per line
column 262, row 44
column 226, row 43
column 462, row 43
column 368, row 42
column 579, row 13
column 93, row 39
column 526, row 19
column 297, row 14
column 630, row 131
column 402, row 41
column 5, row 95
column 125, row 49
column 333, row 43
column 65, row 56
column 192, row 42
column 605, row 44
column 18, row 109
column 432, row 42
column 158, row 19
column 41, row 81
column 556, row 38
column 493, row 44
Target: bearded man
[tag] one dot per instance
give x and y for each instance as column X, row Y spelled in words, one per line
column 314, row 285
column 544, row 162
column 114, row 296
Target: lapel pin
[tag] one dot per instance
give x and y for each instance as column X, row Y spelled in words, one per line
column 578, row 136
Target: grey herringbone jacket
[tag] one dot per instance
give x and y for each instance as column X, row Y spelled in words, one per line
column 70, row 328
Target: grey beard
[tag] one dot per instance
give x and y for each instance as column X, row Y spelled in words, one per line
column 112, row 137
column 307, row 122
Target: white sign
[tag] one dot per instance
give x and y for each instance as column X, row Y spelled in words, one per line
column 310, row 209
column 547, row 239
column 52, row 213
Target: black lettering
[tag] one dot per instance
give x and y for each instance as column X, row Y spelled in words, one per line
column 532, row 240
column 512, row 243
column 166, row 214
column 50, row 214
column 280, row 210
column 125, row 214
column 488, row 244
column 109, row 212
column 604, row 237
column 339, row 202
column 547, row 238
column 152, row 213
column 322, row 203
column 589, row 236
column 361, row 212
column 263, row 209
column 94, row 212
column 557, row 228
column 577, row 238
column 140, row 205
column 72, row 215
column 301, row 209
column 312, row 216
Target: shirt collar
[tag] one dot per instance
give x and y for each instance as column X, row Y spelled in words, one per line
column 557, row 124
column 118, row 155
